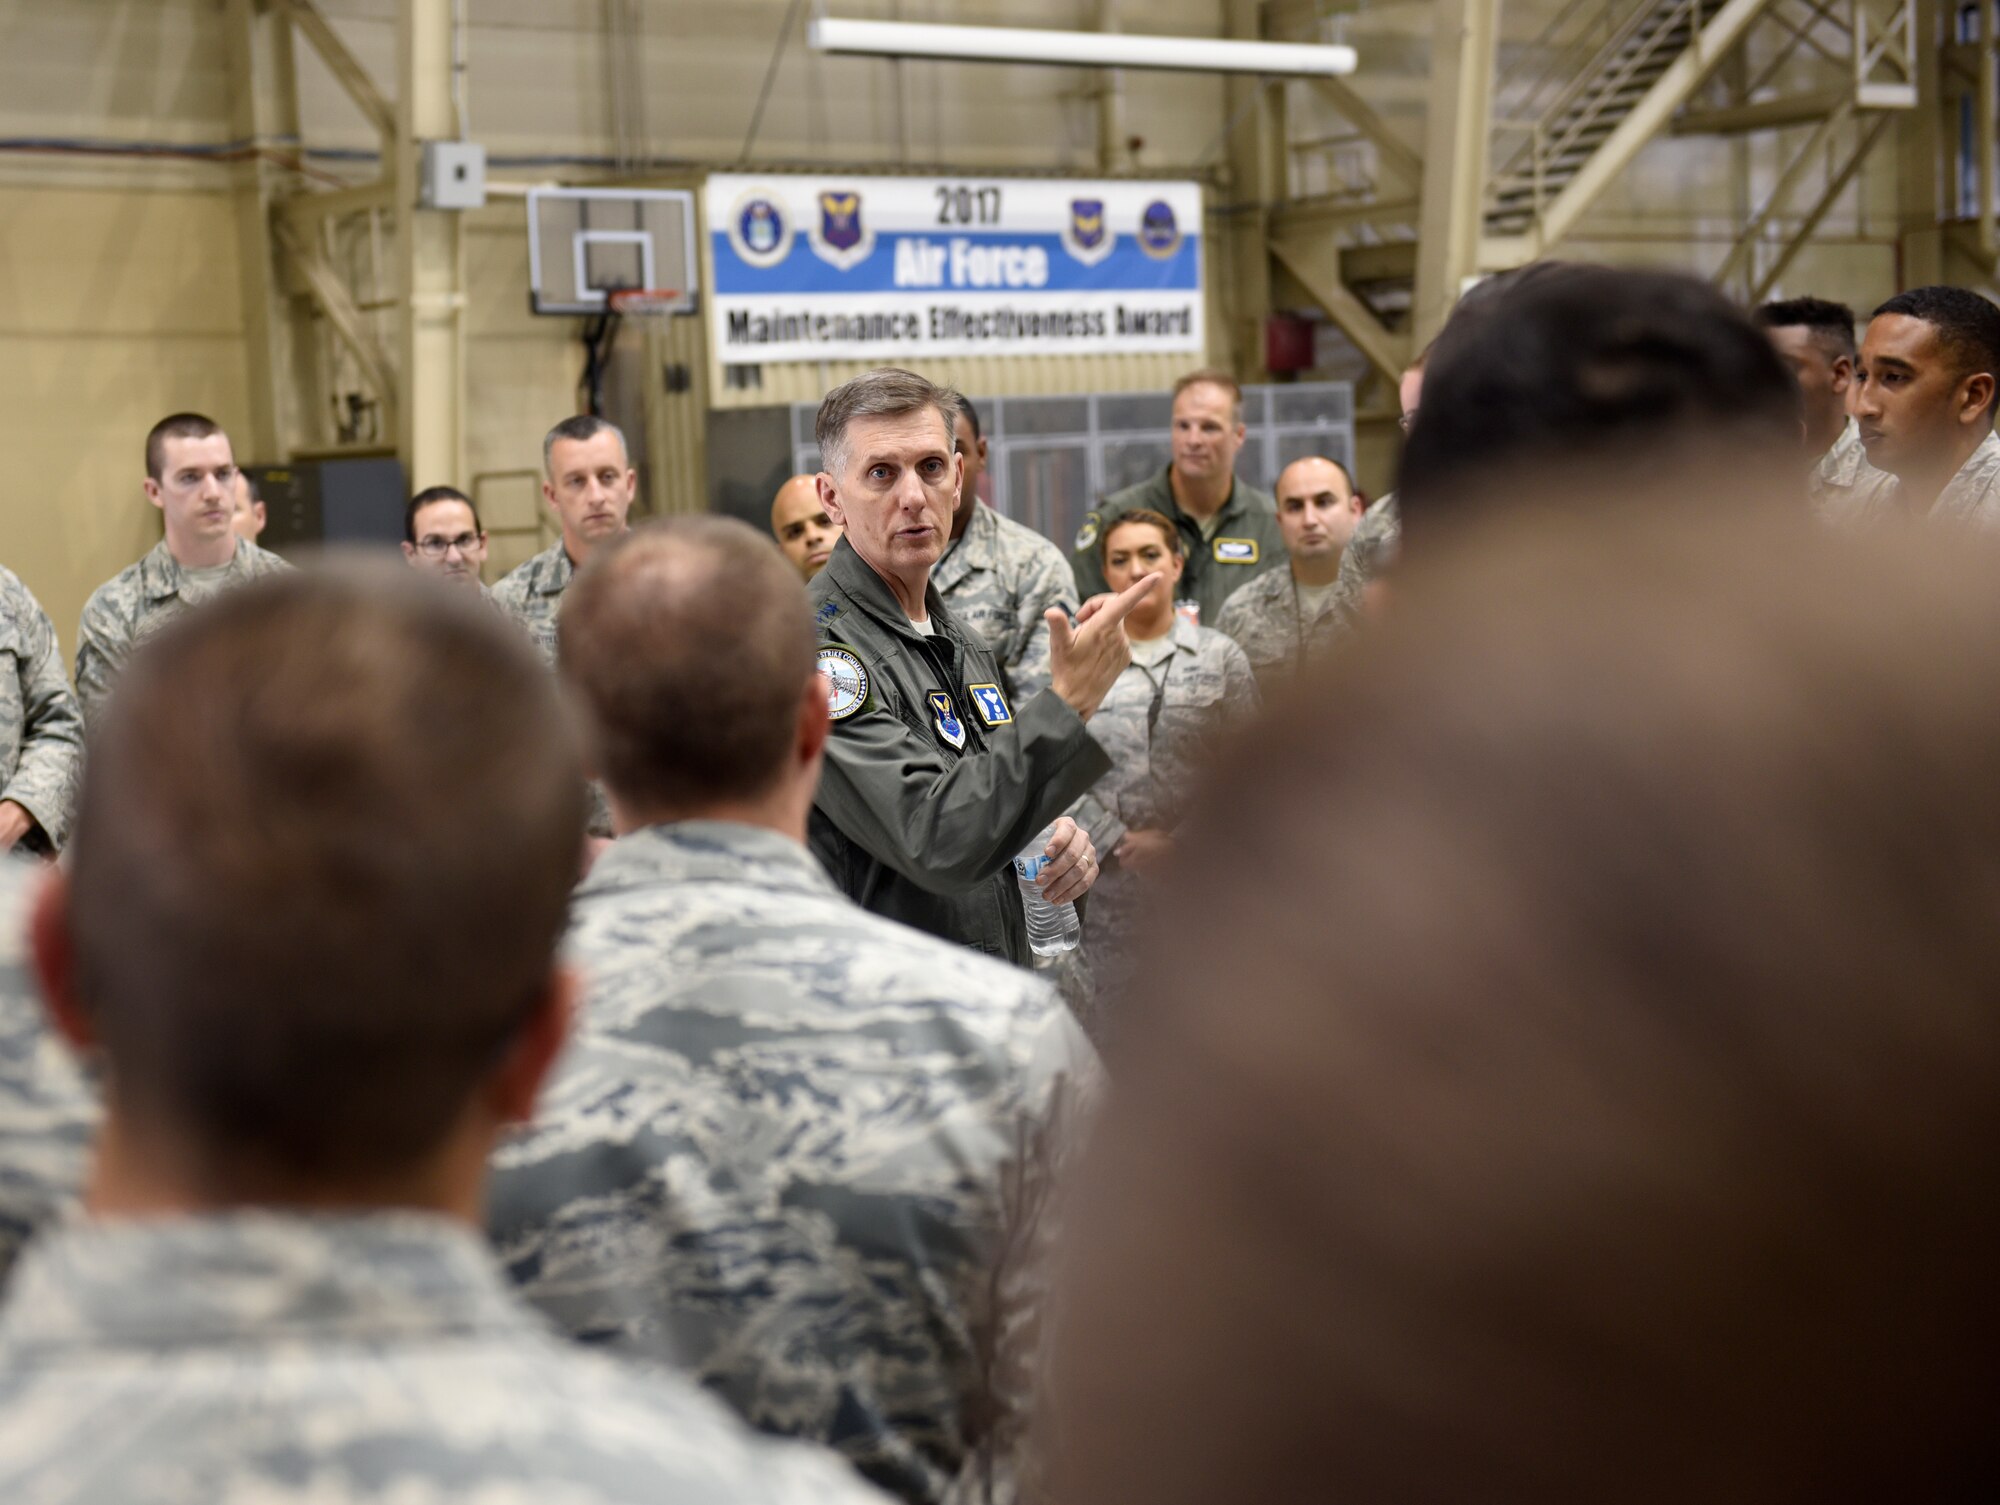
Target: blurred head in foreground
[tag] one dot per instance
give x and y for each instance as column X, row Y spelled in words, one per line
column 320, row 864
column 1600, row 383
column 1628, row 1126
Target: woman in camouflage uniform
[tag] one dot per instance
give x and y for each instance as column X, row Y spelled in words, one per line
column 1185, row 689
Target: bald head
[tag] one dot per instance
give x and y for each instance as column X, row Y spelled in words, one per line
column 801, row 526
column 1317, row 511
column 692, row 646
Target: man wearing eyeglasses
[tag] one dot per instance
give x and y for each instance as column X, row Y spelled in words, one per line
column 191, row 478
column 442, row 536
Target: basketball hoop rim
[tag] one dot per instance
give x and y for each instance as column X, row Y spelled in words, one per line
column 644, row 301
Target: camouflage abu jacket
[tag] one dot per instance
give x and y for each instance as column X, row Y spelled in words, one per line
column 337, row 1360
column 801, row 1153
column 998, row 579
column 41, row 726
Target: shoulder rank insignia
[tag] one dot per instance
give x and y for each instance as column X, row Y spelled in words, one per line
column 1086, row 536
column 828, row 611
column 846, row 681
column 990, row 703
column 950, row 729
column 1235, row 551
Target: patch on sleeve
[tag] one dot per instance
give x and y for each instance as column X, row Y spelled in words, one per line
column 1236, row 551
column 1086, row 536
column 990, row 703
column 846, row 681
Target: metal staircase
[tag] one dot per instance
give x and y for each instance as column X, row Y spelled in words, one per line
column 1568, row 129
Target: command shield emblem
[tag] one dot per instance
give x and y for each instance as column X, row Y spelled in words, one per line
column 1085, row 237
column 842, row 237
column 949, row 728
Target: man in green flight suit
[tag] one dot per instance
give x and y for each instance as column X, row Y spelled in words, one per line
column 934, row 779
column 1229, row 529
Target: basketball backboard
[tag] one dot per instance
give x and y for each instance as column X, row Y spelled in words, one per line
column 584, row 244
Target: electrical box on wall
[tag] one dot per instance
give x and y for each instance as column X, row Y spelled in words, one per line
column 454, row 175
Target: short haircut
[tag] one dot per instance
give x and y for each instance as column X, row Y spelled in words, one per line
column 971, row 415
column 691, row 642
column 1149, row 518
column 885, row 392
column 580, row 430
column 250, row 486
column 1345, row 474
column 319, row 868
column 1646, row 1062
column 1210, row 376
column 1967, row 325
column 1585, row 367
column 432, row 494
column 1833, row 322
column 175, row 426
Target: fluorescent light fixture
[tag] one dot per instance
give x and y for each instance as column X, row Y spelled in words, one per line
column 1082, row 49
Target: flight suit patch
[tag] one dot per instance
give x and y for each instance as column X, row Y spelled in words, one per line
column 1086, row 536
column 846, row 681
column 990, row 703
column 950, row 729
column 1235, row 551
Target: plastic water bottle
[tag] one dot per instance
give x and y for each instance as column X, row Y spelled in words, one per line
column 1052, row 928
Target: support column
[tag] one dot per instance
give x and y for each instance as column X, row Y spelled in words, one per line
column 1254, row 108
column 1923, row 165
column 430, row 407
column 1454, row 185
column 265, row 110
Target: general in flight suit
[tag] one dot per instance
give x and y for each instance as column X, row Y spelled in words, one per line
column 935, row 779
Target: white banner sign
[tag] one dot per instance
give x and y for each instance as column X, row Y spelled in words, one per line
column 889, row 269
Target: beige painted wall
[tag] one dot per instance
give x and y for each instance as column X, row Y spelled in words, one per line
column 115, row 309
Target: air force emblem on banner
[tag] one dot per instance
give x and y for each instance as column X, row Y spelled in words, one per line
column 949, row 728
column 842, row 237
column 760, row 231
column 990, row 703
column 1159, row 231
column 1086, row 236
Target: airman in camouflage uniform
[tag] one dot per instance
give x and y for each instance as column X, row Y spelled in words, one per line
column 531, row 593
column 589, row 485
column 795, row 1149
column 199, row 1339
column 1924, row 395
column 1161, row 724
column 1283, row 617
column 1844, row 488
column 1371, row 551
column 191, row 476
column 1266, row 620
column 341, row 1359
column 41, row 729
column 47, row 1112
column 142, row 598
column 1972, row 495
column 800, row 1152
column 998, row 577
